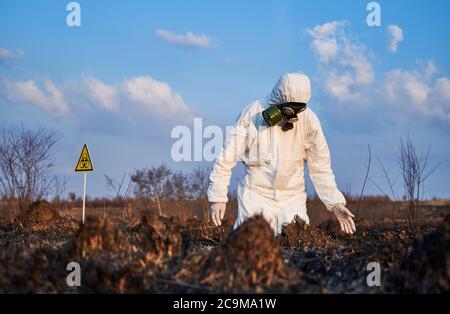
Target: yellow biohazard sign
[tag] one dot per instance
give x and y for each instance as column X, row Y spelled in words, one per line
column 84, row 162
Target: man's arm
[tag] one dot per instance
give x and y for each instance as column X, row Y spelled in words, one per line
column 219, row 180
column 319, row 164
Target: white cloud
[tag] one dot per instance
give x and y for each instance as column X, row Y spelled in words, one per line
column 412, row 92
column 430, row 69
column 406, row 87
column 189, row 39
column 158, row 97
column 396, row 36
column 324, row 42
column 138, row 97
column 347, row 76
column 339, row 85
column 101, row 93
column 9, row 54
column 354, row 57
column 345, row 67
column 49, row 97
column 442, row 88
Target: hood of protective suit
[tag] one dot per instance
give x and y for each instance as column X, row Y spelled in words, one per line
column 291, row 87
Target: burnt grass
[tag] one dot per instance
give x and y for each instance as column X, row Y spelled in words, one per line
column 154, row 254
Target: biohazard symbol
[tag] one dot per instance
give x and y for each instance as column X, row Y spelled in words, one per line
column 84, row 162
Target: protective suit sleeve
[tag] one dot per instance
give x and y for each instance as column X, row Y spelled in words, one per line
column 319, row 165
column 220, row 176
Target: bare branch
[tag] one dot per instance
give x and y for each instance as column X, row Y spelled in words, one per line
column 365, row 180
column 378, row 187
column 388, row 179
column 414, row 171
column 26, row 164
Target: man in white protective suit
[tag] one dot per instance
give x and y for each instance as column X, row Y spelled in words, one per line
column 274, row 138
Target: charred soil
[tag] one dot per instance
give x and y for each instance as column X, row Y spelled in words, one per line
column 160, row 254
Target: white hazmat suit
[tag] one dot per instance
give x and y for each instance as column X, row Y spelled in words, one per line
column 274, row 160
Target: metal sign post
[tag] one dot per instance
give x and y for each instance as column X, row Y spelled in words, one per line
column 84, row 165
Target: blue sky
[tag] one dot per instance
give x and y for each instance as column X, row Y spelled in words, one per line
column 134, row 69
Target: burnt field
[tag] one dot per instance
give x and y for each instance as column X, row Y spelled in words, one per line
column 153, row 254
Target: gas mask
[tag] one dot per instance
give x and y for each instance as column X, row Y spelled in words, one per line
column 283, row 114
